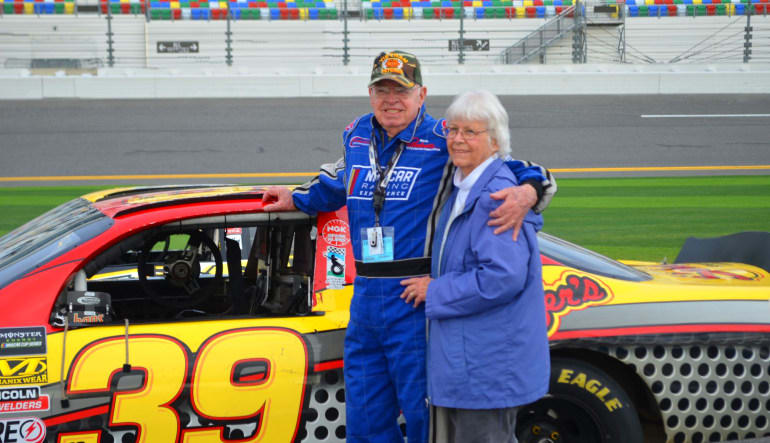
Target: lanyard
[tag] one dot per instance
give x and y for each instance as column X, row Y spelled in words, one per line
column 382, row 176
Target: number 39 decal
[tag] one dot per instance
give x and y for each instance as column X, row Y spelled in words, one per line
column 255, row 374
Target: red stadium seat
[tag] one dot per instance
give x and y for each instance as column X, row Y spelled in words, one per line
column 510, row 12
column 530, row 12
column 294, row 14
column 671, row 10
column 447, row 12
column 711, row 10
column 284, row 13
column 387, row 13
column 177, row 14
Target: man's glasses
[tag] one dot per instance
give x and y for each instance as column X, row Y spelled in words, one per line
column 467, row 134
column 400, row 91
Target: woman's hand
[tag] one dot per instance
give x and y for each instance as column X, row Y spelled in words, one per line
column 416, row 289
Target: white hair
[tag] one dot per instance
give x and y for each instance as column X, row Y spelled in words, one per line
column 485, row 107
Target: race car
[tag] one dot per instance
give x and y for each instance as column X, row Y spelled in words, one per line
column 188, row 314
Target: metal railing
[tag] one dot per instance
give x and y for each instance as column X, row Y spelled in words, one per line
column 134, row 42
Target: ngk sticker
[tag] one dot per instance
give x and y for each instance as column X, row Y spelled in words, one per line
column 22, row 430
column 336, row 233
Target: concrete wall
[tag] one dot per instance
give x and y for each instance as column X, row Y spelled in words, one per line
column 441, row 80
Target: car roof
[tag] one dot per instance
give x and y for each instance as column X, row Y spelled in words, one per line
column 123, row 201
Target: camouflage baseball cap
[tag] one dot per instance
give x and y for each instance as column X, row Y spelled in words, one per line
column 398, row 66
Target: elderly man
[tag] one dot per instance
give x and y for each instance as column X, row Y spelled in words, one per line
column 393, row 176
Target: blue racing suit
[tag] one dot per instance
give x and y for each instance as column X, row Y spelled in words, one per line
column 385, row 343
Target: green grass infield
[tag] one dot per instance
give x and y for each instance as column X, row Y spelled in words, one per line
column 630, row 218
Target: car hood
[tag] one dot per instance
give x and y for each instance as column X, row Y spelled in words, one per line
column 706, row 274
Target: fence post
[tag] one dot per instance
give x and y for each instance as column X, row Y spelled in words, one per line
column 461, row 54
column 622, row 42
column 110, row 50
column 542, row 49
column 228, row 38
column 345, row 34
column 578, row 35
column 747, row 36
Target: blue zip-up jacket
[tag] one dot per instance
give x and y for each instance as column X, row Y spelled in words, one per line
column 487, row 343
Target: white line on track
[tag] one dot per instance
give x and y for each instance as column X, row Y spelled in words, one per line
column 705, row 115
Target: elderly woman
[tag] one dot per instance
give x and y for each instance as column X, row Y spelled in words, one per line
column 487, row 345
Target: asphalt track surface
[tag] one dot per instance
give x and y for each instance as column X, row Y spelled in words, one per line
column 69, row 142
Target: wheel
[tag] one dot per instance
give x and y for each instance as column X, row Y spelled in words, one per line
column 583, row 404
column 186, row 287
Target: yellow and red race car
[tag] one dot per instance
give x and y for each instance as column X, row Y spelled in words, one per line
column 187, row 314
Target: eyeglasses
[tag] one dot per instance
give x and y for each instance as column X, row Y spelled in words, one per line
column 399, row 91
column 468, row 134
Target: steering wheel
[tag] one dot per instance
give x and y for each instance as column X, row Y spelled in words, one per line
column 181, row 270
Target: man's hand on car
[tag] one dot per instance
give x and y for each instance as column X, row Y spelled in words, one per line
column 278, row 198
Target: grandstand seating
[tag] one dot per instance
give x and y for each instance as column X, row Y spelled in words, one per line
column 37, row 7
column 379, row 9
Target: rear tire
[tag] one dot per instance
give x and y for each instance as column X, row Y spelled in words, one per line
column 583, row 404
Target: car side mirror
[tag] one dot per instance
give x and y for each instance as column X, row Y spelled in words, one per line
column 86, row 308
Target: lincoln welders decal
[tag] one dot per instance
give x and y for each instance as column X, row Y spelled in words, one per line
column 572, row 292
column 22, row 341
column 23, row 371
column 25, row 399
column 22, row 430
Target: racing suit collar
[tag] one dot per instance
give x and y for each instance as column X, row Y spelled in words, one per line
column 408, row 133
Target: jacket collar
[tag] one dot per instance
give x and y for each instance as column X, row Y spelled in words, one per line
column 408, row 133
column 481, row 183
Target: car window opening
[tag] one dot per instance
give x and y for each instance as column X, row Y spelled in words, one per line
column 209, row 270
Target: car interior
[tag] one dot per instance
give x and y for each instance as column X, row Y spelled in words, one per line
column 209, row 267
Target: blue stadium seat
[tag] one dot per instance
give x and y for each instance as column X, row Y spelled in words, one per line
column 633, row 11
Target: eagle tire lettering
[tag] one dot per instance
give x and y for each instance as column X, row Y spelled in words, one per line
column 583, row 404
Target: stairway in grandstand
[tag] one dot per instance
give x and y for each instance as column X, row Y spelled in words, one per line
column 535, row 43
